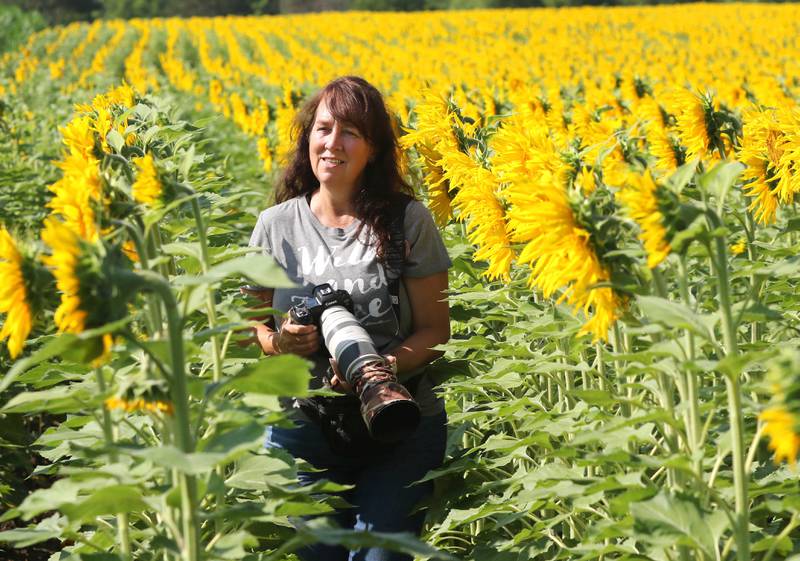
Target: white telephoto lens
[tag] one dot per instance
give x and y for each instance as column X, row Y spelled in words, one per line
column 348, row 342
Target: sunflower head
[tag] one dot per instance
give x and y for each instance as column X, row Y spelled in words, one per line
column 24, row 287
column 93, row 281
column 781, row 427
column 147, row 189
column 598, row 214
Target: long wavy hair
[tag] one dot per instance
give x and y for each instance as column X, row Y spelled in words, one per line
column 353, row 100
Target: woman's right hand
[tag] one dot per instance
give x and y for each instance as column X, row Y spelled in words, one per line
column 302, row 340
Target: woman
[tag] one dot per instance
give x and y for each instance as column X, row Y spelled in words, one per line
column 336, row 202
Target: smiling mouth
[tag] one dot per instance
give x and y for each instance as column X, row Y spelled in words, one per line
column 333, row 161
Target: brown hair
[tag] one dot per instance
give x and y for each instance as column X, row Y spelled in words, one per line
column 353, row 100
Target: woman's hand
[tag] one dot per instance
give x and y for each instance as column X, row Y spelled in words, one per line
column 302, row 340
column 338, row 382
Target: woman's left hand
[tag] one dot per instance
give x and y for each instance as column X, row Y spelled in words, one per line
column 338, row 383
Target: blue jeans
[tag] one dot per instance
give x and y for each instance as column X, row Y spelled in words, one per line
column 383, row 495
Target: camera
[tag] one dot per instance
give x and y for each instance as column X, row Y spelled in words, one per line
column 387, row 408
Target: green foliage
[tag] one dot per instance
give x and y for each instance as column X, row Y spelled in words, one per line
column 17, row 26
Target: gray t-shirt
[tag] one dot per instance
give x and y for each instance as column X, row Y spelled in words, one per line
column 311, row 254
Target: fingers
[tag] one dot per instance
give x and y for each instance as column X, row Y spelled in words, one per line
column 338, row 382
column 297, row 339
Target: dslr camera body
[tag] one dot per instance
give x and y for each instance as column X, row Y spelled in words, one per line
column 386, row 406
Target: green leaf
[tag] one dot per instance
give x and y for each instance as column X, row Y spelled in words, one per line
column 318, row 531
column 719, row 180
column 47, row 529
column 60, row 399
column 682, row 176
column 237, row 440
column 254, row 472
column 675, row 315
column 115, row 140
column 186, row 163
column 788, row 267
column 282, row 375
column 669, row 516
column 258, row 269
column 108, row 500
column 170, row 457
column 53, row 347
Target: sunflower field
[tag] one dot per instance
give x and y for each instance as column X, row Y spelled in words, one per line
column 617, row 189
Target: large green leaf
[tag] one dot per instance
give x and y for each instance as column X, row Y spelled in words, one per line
column 258, row 269
column 49, row 528
column 675, row 315
column 667, row 515
column 283, row 375
column 170, row 457
column 60, row 399
column 113, row 499
column 719, row 180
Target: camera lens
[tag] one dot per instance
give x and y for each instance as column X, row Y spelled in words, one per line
column 347, row 341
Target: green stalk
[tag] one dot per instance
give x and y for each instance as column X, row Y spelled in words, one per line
column 740, row 479
column 180, row 403
column 664, row 385
column 123, row 531
column 755, row 282
column 601, row 365
column 211, row 311
column 616, row 344
column 693, row 425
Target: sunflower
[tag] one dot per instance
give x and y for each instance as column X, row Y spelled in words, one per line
column 76, row 194
column 769, row 150
column 640, row 196
column 139, row 404
column 662, row 144
column 437, row 185
column 694, row 115
column 265, row 154
column 13, row 296
column 432, row 137
column 70, row 316
column 79, row 136
column 739, row 247
column 560, row 252
column 147, row 188
column 478, row 205
column 780, row 426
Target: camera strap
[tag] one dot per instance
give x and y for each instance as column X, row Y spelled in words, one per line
column 395, row 261
column 396, row 254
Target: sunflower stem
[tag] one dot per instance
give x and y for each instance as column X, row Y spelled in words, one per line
column 693, row 425
column 616, row 342
column 755, row 282
column 180, row 400
column 123, row 534
column 211, row 313
column 732, row 383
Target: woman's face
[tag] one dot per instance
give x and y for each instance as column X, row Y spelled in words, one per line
column 337, row 150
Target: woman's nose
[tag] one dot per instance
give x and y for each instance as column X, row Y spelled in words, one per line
column 334, row 139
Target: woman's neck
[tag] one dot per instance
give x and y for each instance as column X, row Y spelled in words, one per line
column 333, row 208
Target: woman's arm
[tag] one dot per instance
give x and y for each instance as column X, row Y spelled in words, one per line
column 431, row 323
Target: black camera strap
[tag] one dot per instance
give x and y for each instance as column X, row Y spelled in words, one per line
column 394, row 263
column 395, row 257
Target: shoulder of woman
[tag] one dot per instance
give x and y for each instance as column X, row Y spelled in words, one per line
column 279, row 209
column 416, row 212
